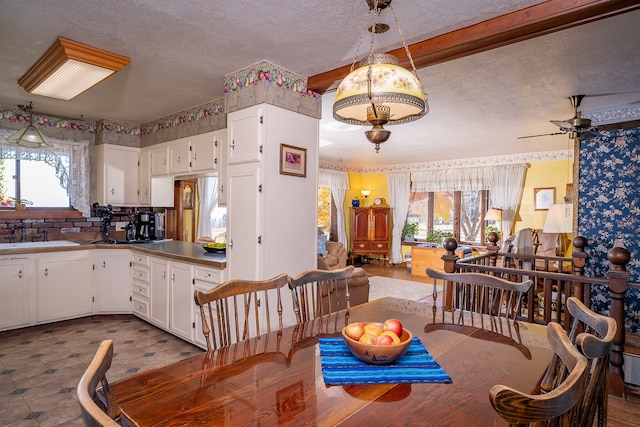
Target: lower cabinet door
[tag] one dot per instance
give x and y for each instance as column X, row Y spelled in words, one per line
column 182, row 303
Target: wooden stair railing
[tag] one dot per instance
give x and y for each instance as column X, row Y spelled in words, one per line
column 567, row 282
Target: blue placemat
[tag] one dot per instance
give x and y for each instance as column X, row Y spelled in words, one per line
column 340, row 367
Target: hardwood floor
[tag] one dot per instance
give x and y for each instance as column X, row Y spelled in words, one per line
column 621, row 412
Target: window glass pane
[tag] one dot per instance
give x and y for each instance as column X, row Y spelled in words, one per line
column 419, row 212
column 7, row 182
column 470, row 216
column 443, row 212
column 324, row 209
column 39, row 185
column 218, row 220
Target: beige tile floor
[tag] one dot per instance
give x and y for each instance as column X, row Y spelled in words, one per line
column 40, row 366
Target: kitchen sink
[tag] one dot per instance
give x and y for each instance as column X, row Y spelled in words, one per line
column 35, row 245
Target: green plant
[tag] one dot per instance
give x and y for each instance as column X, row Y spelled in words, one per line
column 437, row 236
column 410, row 229
column 489, row 228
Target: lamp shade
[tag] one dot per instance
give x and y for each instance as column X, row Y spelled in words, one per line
column 559, row 219
column 365, row 193
column 493, row 214
column 29, row 137
column 382, row 83
column 69, row 68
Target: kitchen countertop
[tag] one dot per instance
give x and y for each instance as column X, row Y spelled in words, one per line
column 174, row 249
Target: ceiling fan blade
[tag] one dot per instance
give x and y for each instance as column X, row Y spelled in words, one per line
column 620, row 125
column 587, row 134
column 543, row 134
column 563, row 124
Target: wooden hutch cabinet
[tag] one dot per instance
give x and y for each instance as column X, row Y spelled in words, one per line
column 371, row 231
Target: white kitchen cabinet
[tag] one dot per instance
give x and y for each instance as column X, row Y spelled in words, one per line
column 266, row 208
column 159, row 313
column 140, row 285
column 179, row 156
column 221, row 142
column 204, row 280
column 144, row 178
column 117, row 175
column 204, row 149
column 181, row 299
column 159, row 160
column 15, row 293
column 113, row 281
column 64, row 287
column 245, row 135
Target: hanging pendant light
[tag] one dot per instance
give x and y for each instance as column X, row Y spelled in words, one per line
column 29, row 136
column 380, row 91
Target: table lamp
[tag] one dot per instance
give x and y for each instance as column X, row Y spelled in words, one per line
column 495, row 214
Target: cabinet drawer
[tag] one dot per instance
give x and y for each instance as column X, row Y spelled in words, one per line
column 361, row 246
column 209, row 275
column 141, row 289
column 380, row 246
column 140, row 259
column 140, row 273
column 141, row 307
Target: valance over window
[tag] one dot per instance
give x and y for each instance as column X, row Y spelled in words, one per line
column 70, row 159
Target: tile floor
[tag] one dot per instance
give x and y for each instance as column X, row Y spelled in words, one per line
column 40, row 366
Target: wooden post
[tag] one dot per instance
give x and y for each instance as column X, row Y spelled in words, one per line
column 449, row 258
column 618, row 278
column 493, row 248
column 579, row 260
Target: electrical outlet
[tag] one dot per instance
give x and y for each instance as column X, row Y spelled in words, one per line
column 120, row 225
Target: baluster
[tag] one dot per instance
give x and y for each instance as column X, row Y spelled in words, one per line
column 618, row 278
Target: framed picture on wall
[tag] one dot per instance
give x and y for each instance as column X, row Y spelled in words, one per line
column 293, row 160
column 543, row 198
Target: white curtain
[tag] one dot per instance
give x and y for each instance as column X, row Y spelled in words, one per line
column 70, row 160
column 208, row 200
column 504, row 182
column 505, row 191
column 399, row 188
column 338, row 182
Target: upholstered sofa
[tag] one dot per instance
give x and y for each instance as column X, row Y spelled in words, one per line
column 335, row 257
column 358, row 291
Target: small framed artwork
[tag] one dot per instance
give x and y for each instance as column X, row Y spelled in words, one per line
column 544, row 198
column 293, row 160
column 187, row 196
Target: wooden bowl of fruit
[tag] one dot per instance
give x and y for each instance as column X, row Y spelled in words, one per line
column 214, row 247
column 377, row 343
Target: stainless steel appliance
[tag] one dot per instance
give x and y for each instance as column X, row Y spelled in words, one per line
column 143, row 226
column 157, row 225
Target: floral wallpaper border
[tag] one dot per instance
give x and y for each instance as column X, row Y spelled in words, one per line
column 542, row 156
column 17, row 115
column 201, row 112
column 264, row 72
column 609, row 200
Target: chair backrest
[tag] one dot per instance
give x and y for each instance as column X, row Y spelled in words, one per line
column 557, row 407
column 99, row 407
column 240, row 309
column 593, row 335
column 493, row 298
column 319, row 292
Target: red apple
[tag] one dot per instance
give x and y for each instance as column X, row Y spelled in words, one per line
column 393, row 325
column 383, row 340
column 354, row 330
column 393, row 335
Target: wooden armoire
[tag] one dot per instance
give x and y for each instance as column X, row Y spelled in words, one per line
column 371, row 231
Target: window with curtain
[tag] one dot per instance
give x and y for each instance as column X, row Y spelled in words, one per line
column 32, row 181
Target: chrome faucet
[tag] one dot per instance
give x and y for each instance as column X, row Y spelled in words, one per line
column 23, row 235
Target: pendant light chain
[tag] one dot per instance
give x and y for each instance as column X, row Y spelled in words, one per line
column 404, row 42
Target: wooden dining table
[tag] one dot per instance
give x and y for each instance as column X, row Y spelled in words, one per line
column 277, row 379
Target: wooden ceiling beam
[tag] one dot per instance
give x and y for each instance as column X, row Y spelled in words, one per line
column 524, row 24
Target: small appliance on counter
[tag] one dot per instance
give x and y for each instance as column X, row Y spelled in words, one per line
column 149, row 226
column 157, row 225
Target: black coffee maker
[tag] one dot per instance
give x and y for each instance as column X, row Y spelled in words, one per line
column 143, row 226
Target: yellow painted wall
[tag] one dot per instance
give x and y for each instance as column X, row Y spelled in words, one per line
column 542, row 175
column 539, row 175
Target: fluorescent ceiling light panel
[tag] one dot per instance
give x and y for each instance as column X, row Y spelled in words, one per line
column 69, row 68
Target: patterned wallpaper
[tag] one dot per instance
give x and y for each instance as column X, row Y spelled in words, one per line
column 609, row 210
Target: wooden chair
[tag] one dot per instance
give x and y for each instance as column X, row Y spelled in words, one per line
column 593, row 335
column 557, row 407
column 319, row 292
column 99, row 407
column 494, row 299
column 239, row 309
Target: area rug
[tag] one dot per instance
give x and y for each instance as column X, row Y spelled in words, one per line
column 380, row 287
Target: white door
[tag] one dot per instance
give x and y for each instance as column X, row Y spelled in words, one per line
column 113, row 281
column 159, row 292
column 179, row 156
column 181, row 304
column 122, row 175
column 159, row 161
column 245, row 141
column 203, row 153
column 14, row 293
column 243, row 247
column 144, row 180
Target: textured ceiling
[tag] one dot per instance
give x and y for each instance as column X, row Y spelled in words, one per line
column 180, row 53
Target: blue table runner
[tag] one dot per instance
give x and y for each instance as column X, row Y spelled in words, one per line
column 340, row 367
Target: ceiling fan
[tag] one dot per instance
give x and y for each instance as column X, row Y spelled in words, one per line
column 577, row 127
